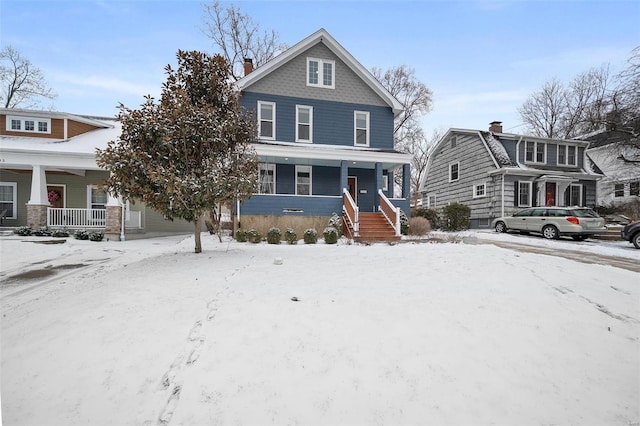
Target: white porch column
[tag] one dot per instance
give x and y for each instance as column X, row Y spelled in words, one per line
column 39, row 202
column 39, row 187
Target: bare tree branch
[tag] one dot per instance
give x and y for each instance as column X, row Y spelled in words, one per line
column 22, row 84
column 239, row 37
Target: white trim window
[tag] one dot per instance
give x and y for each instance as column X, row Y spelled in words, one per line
column 524, row 193
column 567, row 155
column 574, row 195
column 480, row 190
column 454, row 171
column 303, row 180
column 28, row 124
column 618, row 190
column 96, row 197
column 304, row 123
column 267, row 178
column 267, row 120
column 320, row 73
column 8, row 199
column 385, row 183
column 535, row 152
column 361, row 128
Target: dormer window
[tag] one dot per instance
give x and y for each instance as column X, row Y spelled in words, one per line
column 320, row 73
column 567, row 155
column 535, row 152
column 28, row 124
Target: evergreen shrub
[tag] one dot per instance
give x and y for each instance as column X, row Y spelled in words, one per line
column 96, row 235
column 241, row 236
column 330, row 235
column 456, row 217
column 335, row 221
column 290, row 236
column 81, row 234
column 274, row 235
column 60, row 233
column 430, row 214
column 42, row 232
column 253, row 236
column 404, row 223
column 310, row 236
column 23, row 231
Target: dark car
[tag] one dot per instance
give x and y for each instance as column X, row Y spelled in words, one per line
column 631, row 233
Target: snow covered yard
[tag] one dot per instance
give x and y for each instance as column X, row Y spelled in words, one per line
column 148, row 333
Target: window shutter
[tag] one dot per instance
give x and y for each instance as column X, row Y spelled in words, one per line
column 534, row 194
column 584, row 195
column 567, row 195
column 516, row 193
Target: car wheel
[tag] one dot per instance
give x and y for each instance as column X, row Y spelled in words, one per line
column 579, row 237
column 501, row 227
column 550, row 232
column 636, row 240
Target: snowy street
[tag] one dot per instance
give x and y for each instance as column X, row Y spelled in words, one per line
column 147, row 333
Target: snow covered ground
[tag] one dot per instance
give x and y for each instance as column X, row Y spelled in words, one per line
column 145, row 332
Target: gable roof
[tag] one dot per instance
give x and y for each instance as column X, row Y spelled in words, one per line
column 322, row 36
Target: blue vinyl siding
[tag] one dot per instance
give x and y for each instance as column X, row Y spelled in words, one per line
column 278, row 205
column 332, row 121
column 326, row 181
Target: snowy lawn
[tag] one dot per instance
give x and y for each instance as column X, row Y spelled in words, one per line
column 149, row 333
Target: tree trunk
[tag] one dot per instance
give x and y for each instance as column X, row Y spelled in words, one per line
column 198, row 226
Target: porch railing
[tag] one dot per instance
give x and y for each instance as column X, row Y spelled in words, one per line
column 351, row 211
column 76, row 218
column 390, row 212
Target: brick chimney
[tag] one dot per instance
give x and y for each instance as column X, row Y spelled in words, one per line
column 495, row 126
column 248, row 66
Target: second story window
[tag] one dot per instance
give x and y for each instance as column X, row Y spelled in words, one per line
column 320, row 73
column 535, row 152
column 29, row 124
column 567, row 155
column 304, row 123
column 361, row 128
column 454, row 172
column 267, row 120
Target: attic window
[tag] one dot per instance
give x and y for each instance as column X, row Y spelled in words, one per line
column 320, row 73
column 28, row 124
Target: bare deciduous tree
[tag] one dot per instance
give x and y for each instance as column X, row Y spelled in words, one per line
column 239, row 37
column 416, row 98
column 23, row 84
column 566, row 111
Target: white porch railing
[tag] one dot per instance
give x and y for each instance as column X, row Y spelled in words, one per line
column 390, row 212
column 76, row 218
column 352, row 211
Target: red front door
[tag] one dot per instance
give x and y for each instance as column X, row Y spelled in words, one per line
column 550, row 194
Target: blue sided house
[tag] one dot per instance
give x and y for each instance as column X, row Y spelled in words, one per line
column 325, row 128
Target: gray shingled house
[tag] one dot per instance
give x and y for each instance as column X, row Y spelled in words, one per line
column 497, row 173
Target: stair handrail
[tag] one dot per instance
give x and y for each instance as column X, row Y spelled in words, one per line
column 351, row 210
column 390, row 212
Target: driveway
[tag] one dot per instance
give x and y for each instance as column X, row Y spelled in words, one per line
column 578, row 256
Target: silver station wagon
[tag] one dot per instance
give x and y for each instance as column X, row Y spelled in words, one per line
column 552, row 222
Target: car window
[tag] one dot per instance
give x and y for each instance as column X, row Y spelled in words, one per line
column 584, row 213
column 523, row 213
column 559, row 212
column 539, row 212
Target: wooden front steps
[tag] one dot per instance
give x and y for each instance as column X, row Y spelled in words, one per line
column 374, row 228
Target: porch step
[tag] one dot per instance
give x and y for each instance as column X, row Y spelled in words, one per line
column 374, row 228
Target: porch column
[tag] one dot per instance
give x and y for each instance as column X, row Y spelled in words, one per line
column 406, row 181
column 38, row 203
column 376, row 197
column 113, row 226
column 344, row 174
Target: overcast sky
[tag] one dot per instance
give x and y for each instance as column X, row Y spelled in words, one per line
column 481, row 58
